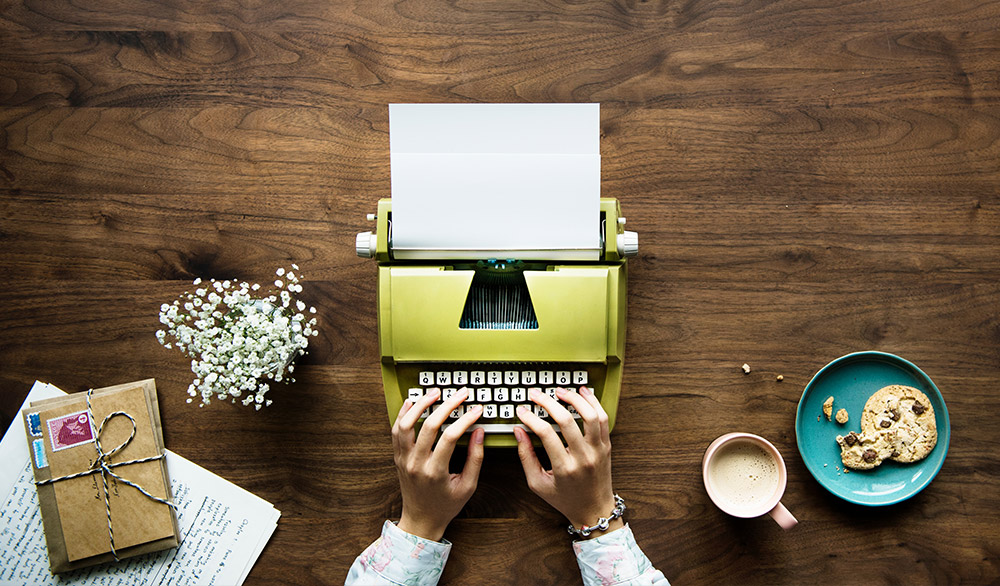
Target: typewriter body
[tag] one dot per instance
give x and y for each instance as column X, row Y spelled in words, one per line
column 503, row 269
column 498, row 317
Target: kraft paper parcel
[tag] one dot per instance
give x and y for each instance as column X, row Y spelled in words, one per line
column 74, row 511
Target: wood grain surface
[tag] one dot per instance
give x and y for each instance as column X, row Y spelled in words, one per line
column 807, row 179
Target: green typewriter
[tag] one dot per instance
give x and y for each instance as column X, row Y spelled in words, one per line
column 498, row 322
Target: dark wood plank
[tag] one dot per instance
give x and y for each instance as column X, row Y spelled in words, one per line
column 264, row 156
column 807, row 180
column 442, row 17
column 797, row 66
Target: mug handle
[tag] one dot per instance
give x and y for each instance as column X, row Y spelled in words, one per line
column 780, row 514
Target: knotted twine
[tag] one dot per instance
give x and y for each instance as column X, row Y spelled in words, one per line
column 103, row 466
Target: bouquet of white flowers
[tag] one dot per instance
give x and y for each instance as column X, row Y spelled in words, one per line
column 238, row 339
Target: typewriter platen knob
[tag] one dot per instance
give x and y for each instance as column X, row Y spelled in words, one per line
column 628, row 243
column 365, row 244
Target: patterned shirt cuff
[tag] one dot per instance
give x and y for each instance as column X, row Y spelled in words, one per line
column 614, row 558
column 405, row 559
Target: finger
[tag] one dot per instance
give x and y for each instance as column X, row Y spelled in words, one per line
column 428, row 433
column 408, row 420
column 533, row 470
column 398, row 437
column 473, row 460
column 446, row 445
column 402, row 430
column 591, row 425
column 570, row 431
column 549, row 438
column 602, row 415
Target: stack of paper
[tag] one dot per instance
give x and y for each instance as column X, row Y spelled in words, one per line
column 223, row 527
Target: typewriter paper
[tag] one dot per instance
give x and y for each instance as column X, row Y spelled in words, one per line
column 518, row 181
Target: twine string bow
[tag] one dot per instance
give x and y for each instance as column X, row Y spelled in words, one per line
column 103, row 465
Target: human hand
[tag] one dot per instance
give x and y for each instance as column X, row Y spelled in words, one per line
column 579, row 484
column 432, row 496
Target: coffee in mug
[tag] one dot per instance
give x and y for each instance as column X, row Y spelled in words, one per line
column 745, row 476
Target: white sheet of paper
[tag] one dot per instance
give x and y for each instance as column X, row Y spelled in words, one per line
column 223, row 527
column 516, row 181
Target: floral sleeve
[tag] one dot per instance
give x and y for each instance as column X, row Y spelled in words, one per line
column 401, row 559
column 614, row 559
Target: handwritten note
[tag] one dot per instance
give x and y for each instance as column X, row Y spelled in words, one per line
column 223, row 527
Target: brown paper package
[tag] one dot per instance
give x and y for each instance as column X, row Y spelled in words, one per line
column 74, row 514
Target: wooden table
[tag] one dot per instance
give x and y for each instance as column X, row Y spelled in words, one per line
column 807, row 180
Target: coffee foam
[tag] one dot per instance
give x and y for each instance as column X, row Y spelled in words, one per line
column 743, row 475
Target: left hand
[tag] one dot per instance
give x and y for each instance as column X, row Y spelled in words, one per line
column 432, row 496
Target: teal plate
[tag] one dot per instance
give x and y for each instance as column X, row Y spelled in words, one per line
column 851, row 379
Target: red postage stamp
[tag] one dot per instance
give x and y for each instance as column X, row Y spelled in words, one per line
column 70, row 430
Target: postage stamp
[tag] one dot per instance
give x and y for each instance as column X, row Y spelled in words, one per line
column 70, row 430
column 38, row 447
column 35, row 424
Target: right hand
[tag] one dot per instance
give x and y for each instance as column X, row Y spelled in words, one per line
column 579, row 484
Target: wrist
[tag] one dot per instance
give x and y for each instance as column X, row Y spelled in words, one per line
column 590, row 516
column 594, row 524
column 612, row 526
column 421, row 528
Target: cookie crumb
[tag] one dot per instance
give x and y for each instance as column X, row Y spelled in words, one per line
column 828, row 408
column 779, row 378
column 818, row 417
column 746, row 368
column 842, row 416
column 847, row 470
column 824, row 465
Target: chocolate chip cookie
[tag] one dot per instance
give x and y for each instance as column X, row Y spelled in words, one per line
column 864, row 452
column 908, row 414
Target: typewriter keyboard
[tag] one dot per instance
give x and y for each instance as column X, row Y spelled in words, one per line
column 499, row 388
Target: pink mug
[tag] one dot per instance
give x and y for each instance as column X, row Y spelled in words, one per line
column 745, row 477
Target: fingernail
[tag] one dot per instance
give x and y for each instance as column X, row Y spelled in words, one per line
column 533, row 393
column 477, row 408
column 521, row 409
column 518, row 433
column 585, row 391
column 479, row 436
column 561, row 391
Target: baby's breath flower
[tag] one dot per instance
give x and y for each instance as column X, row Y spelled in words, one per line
column 237, row 342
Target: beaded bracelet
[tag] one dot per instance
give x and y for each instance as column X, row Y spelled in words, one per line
column 603, row 523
